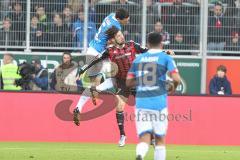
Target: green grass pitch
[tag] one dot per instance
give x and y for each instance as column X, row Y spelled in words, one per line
column 88, row 151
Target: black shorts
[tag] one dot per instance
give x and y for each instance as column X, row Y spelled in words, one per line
column 123, row 90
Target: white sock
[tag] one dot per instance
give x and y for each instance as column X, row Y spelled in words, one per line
column 142, row 149
column 160, row 153
column 83, row 100
column 107, row 84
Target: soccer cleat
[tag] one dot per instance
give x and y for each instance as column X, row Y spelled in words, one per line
column 122, row 140
column 139, row 158
column 76, row 116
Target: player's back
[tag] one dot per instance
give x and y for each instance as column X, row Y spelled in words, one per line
column 150, row 71
column 100, row 40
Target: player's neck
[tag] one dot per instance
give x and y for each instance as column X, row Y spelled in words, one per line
column 155, row 48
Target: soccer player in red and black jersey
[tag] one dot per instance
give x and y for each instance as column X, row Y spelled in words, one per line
column 121, row 55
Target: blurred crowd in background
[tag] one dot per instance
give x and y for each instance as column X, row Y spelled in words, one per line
column 60, row 23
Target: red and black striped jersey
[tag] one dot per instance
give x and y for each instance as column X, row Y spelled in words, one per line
column 123, row 57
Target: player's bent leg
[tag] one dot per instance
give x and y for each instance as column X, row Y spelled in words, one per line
column 82, row 101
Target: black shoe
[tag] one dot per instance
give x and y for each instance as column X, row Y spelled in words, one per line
column 139, row 157
column 76, row 116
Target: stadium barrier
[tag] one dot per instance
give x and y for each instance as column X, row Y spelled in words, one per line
column 195, row 120
column 190, row 69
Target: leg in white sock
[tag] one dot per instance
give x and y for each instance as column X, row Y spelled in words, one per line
column 83, row 99
column 160, row 153
column 142, row 149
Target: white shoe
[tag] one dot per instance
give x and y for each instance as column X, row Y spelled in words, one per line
column 122, row 140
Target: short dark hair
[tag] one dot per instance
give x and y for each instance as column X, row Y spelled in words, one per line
column 222, row 68
column 218, row 3
column 36, row 60
column 111, row 32
column 122, row 13
column 67, row 53
column 154, row 38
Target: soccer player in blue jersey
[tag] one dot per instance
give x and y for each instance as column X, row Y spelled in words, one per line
column 148, row 75
column 96, row 47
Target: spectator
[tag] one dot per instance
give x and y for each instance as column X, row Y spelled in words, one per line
column 58, row 34
column 37, row 32
column 234, row 43
column 179, row 41
column 217, row 29
column 7, row 36
column 40, row 78
column 78, row 30
column 42, row 17
column 219, row 84
column 76, row 5
column 18, row 19
column 158, row 27
column 60, row 79
column 8, row 73
column 68, row 17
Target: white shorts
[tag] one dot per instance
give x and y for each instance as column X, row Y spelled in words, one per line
column 151, row 121
column 102, row 67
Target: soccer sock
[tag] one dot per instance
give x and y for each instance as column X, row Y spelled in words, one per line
column 120, row 121
column 83, row 99
column 107, row 84
column 160, row 153
column 142, row 149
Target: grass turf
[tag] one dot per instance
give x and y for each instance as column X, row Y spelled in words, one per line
column 83, row 151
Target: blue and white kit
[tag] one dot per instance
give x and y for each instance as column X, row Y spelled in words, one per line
column 150, row 71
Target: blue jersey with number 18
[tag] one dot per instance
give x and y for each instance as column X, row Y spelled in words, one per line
column 99, row 42
column 150, row 71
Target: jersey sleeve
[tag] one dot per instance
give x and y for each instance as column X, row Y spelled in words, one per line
column 139, row 49
column 171, row 65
